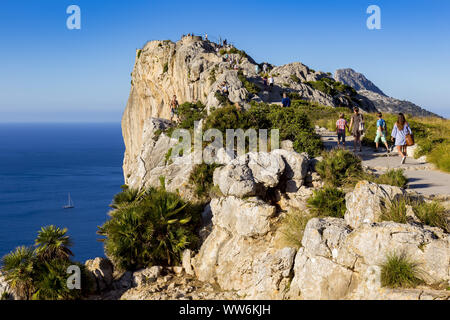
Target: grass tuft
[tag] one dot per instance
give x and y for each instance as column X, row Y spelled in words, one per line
column 399, row 271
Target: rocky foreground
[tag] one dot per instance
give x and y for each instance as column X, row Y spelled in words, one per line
column 243, row 255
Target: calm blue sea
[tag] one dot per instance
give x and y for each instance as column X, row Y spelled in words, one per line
column 40, row 164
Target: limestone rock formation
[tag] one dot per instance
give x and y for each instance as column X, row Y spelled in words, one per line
column 193, row 69
column 101, row 273
column 356, row 80
column 365, row 202
column 154, row 161
column 338, row 263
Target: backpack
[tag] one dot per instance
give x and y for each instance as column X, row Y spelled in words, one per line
column 361, row 128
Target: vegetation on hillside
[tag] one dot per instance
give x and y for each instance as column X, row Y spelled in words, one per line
column 40, row 273
column 152, row 229
column 432, row 135
column 429, row 213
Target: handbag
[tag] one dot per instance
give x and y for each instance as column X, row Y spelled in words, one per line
column 409, row 139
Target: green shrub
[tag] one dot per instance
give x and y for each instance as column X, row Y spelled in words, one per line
column 154, row 230
column 292, row 228
column 398, row 271
column 394, row 177
column 432, row 214
column 202, row 179
column 139, row 53
column 339, row 167
column 223, row 100
column 440, row 155
column 249, row 86
column 395, row 210
column 329, row 202
column 41, row 274
column 124, row 198
column 294, row 78
column 165, row 67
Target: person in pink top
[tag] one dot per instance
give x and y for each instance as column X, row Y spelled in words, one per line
column 341, row 124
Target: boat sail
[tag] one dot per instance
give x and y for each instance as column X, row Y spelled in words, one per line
column 69, row 204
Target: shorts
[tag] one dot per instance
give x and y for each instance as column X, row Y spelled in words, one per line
column 341, row 136
column 382, row 136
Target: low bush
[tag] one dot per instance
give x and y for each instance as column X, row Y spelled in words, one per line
column 339, row 168
column 395, row 210
column 40, row 273
column 394, row 177
column 202, row 179
column 249, row 86
column 432, row 214
column 292, row 227
column 329, row 202
column 398, row 271
column 153, row 230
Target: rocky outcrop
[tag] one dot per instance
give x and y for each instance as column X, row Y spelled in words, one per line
column 337, row 262
column 100, row 270
column 155, row 162
column 193, row 69
column 381, row 101
column 241, row 252
column 392, row 105
column 356, row 80
column 365, row 203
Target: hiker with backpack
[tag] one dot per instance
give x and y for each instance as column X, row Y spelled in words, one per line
column 381, row 132
column 403, row 136
column 357, row 128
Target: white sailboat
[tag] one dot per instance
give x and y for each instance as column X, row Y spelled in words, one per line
column 70, row 204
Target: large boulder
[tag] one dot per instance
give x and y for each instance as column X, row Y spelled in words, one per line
column 246, row 218
column 250, row 174
column 337, row 262
column 366, row 202
column 101, row 272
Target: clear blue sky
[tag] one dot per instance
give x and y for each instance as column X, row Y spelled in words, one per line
column 50, row 73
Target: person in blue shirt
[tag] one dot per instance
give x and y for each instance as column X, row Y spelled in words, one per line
column 381, row 132
column 399, row 132
column 286, row 102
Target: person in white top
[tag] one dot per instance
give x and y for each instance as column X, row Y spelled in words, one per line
column 271, row 82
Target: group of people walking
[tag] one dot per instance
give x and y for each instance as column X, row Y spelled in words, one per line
column 401, row 134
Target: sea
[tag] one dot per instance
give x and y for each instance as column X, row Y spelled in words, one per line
column 40, row 164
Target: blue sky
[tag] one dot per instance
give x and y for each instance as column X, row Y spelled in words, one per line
column 50, row 73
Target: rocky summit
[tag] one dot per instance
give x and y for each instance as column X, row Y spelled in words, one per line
column 381, row 101
column 194, row 69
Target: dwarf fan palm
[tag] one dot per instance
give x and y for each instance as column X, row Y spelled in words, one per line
column 19, row 267
column 53, row 243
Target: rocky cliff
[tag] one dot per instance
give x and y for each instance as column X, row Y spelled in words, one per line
column 243, row 255
column 382, row 102
column 193, row 69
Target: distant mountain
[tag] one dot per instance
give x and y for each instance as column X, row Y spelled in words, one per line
column 356, row 80
column 382, row 102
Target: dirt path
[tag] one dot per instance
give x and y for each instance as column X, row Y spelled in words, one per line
column 423, row 178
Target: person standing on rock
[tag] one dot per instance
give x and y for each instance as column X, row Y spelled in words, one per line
column 400, row 132
column 381, row 132
column 271, row 83
column 174, row 108
column 357, row 128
